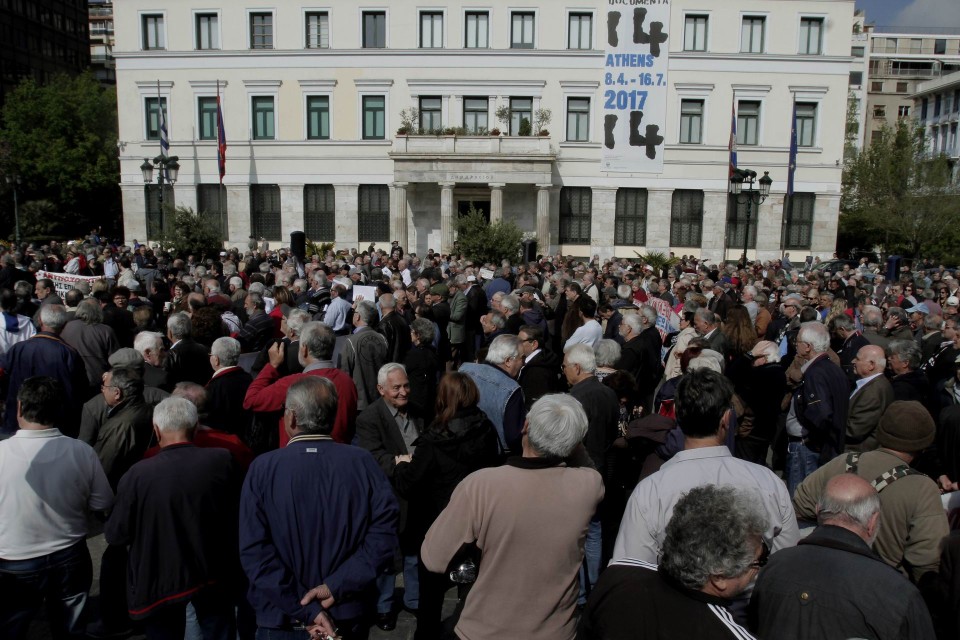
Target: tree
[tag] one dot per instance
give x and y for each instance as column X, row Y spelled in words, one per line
column 483, row 242
column 189, row 233
column 898, row 195
column 41, row 220
column 61, row 139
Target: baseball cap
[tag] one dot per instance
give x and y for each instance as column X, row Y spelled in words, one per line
column 953, row 301
column 919, row 308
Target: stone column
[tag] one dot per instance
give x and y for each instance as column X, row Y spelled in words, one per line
column 602, row 221
column 346, row 199
column 659, row 203
column 238, row 217
column 496, row 201
column 398, row 215
column 446, row 217
column 291, row 211
column 543, row 218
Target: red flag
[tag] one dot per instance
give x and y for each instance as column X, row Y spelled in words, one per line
column 221, row 139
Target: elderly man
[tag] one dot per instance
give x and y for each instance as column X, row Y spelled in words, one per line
column 125, row 435
column 869, row 399
column 640, row 355
column 150, row 345
column 45, row 354
column 187, row 359
column 318, row 523
column 761, row 387
column 703, row 413
column 258, row 330
column 713, row 547
column 506, row 512
column 337, row 315
column 363, row 353
column 914, row 522
column 51, row 484
column 493, row 323
column 389, row 429
column 817, row 416
column 227, row 389
column 92, row 339
column 268, row 390
column 843, row 584
column 46, row 292
column 195, row 562
column 511, row 310
column 872, row 319
column 540, row 374
column 501, row 397
column 705, row 322
column 908, row 382
column 843, row 328
column 394, row 328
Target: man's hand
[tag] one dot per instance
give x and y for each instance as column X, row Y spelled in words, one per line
column 321, row 594
column 276, row 355
column 322, row 627
column 403, row 458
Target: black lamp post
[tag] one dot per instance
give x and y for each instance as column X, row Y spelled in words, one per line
column 169, row 169
column 748, row 177
column 14, row 182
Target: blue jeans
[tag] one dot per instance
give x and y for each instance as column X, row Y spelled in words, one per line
column 801, row 462
column 61, row 579
column 590, row 569
column 411, row 587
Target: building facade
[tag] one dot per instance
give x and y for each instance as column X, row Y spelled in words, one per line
column 937, row 107
column 101, row 41
column 899, row 63
column 312, row 97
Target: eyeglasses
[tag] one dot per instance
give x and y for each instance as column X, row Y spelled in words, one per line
column 761, row 560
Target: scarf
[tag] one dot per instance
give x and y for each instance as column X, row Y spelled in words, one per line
column 12, row 323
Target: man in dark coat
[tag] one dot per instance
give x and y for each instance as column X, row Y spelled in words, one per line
column 388, row 429
column 832, row 584
column 394, row 328
column 842, row 328
column 149, row 344
column 541, row 373
column 640, row 354
column 187, row 359
column 177, row 513
column 259, row 328
column 227, row 389
column 45, row 354
column 869, row 399
column 476, row 308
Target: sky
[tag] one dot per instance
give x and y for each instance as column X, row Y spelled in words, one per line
column 912, row 13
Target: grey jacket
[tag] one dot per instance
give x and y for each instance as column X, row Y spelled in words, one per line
column 361, row 357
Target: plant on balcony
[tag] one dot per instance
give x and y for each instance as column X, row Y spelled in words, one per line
column 503, row 114
column 525, row 128
column 494, row 132
column 408, row 121
column 541, row 118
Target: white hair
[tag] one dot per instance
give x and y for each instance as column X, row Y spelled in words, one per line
column 582, row 354
column 649, row 313
column 510, row 303
column 556, row 423
column 502, row 348
column 147, row 340
column 607, row 353
column 227, row 350
column 632, row 320
column 816, row 335
column 386, row 370
column 175, row 414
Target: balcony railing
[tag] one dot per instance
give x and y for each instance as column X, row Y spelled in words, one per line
column 905, row 50
column 480, row 145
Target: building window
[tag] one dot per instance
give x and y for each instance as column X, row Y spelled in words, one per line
column 856, row 78
column 748, row 122
column 937, row 104
column 318, row 117
column 695, row 33
column 373, row 219
column 317, row 25
column 263, row 118
column 806, row 124
column 879, row 111
column 212, row 206
column 431, row 30
column 752, row 33
column 940, row 46
column 207, row 118
column 575, row 207
column 152, row 116
column 580, row 31
column 891, row 46
column 857, row 52
column 319, row 212
column 923, row 108
column 876, row 136
column 430, row 109
column 630, row 223
column 521, row 109
column 901, row 87
column 261, row 31
column 578, row 119
column 475, row 114
column 686, row 218
column 208, row 35
column 521, row 30
column 798, row 230
column 737, row 223
column 876, row 86
column 903, row 111
column 374, row 118
column 154, row 35
column 477, row 30
column 691, row 121
column 265, row 211
column 956, row 100
column 156, row 218
column 374, row 29
column 916, row 46
column 811, row 36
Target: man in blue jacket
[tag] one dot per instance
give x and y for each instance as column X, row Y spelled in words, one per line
column 318, row 521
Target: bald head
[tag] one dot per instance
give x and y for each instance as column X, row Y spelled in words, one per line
column 850, row 502
column 870, row 361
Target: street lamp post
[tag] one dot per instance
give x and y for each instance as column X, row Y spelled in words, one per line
column 748, row 177
column 14, row 181
column 169, row 168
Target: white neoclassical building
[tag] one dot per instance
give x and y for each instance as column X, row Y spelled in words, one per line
column 642, row 95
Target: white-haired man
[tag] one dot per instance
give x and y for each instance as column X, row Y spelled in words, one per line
column 227, row 389
column 501, row 397
column 150, row 345
column 532, row 512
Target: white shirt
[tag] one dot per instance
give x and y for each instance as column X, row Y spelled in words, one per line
column 862, row 382
column 651, row 505
column 48, row 484
column 590, row 334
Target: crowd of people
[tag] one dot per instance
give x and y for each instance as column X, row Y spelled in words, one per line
column 281, row 446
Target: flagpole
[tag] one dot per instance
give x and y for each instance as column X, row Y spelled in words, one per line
column 220, row 189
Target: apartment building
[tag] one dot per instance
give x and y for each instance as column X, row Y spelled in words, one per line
column 642, row 96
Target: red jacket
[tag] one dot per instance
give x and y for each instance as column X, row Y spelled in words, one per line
column 268, row 392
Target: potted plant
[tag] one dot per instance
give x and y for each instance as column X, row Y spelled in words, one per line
column 541, row 118
column 504, row 114
column 495, row 132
